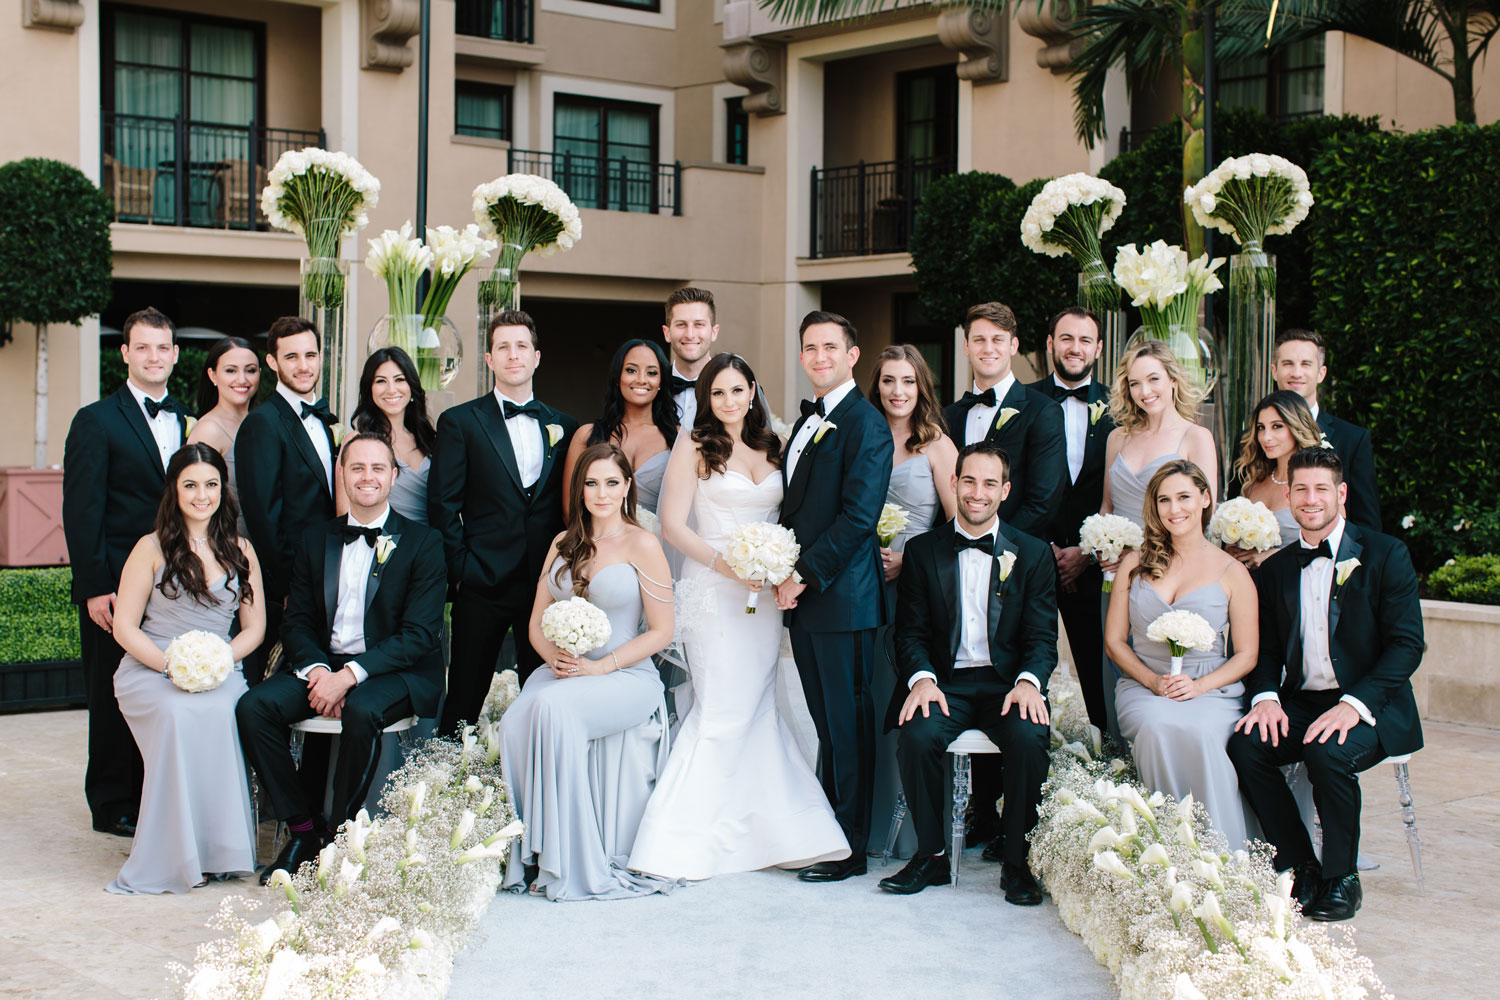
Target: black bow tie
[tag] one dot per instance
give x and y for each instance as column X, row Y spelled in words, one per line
column 1078, row 392
column 810, row 406
column 984, row 543
column 676, row 383
column 973, row 399
column 353, row 533
column 153, row 407
column 1305, row 555
column 530, row 408
column 320, row 410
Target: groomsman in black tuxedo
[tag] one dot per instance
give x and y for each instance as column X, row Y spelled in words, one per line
column 1073, row 344
column 976, row 640
column 1340, row 636
column 1020, row 420
column 1301, row 364
column 361, row 644
column 495, row 494
column 691, row 328
column 114, row 473
column 835, row 472
column 283, row 460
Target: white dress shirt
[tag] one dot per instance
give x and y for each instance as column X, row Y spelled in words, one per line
column 355, row 565
column 1075, row 426
column 687, row 402
column 1314, row 407
column 981, row 417
column 810, row 426
column 525, row 438
column 166, row 428
column 317, row 432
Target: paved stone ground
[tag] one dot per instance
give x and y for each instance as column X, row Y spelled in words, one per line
column 63, row 936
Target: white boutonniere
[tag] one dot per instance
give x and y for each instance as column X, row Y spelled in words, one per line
column 338, row 431
column 824, row 428
column 1342, row 571
column 188, row 423
column 1007, row 563
column 554, row 434
column 384, row 546
column 1323, row 442
column 1097, row 411
column 1006, row 412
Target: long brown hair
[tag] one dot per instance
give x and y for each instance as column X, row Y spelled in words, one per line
column 182, row 570
column 1126, row 412
column 926, row 416
column 577, row 545
column 713, row 441
column 1252, row 466
column 1156, row 551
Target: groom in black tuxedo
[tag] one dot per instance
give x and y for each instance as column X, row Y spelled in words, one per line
column 495, row 494
column 1340, row 636
column 976, row 640
column 114, row 474
column 835, row 471
column 361, row 643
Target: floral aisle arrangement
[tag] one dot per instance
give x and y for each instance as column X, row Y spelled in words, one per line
column 1182, row 631
column 1107, row 536
column 762, row 551
column 1067, row 217
column 198, row 661
column 1245, row 523
column 389, row 902
column 575, row 626
column 322, row 197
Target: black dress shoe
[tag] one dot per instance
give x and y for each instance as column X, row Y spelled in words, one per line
column 833, row 871
column 299, row 850
column 918, row 874
column 1307, row 879
column 120, row 826
column 994, row 851
column 983, row 827
column 1019, row 885
column 1339, row 899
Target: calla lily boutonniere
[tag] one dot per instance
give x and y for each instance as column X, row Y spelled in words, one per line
column 554, row 434
column 188, row 423
column 1006, row 413
column 1323, row 442
column 1007, row 563
column 384, row 546
column 1343, row 570
column 824, row 428
column 1097, row 411
column 338, row 431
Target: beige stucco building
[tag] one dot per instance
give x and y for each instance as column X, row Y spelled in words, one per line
column 778, row 167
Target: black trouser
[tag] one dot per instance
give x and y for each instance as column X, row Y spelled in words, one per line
column 480, row 619
column 265, row 716
column 1334, row 772
column 835, row 668
column 257, row 663
column 112, row 781
column 1080, row 614
column 975, row 697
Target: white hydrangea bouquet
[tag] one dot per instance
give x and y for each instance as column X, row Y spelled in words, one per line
column 1068, row 216
column 1182, row 631
column 894, row 519
column 523, row 213
column 323, row 197
column 1245, row 523
column 198, row 661
column 762, row 551
column 1107, row 536
column 575, row 626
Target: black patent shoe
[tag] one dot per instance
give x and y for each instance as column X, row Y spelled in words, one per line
column 918, row 874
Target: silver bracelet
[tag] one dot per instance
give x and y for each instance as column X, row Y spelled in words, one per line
column 615, row 658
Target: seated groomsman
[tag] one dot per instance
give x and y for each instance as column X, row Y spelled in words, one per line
column 976, row 640
column 691, row 329
column 1340, row 635
column 114, row 472
column 361, row 644
column 1301, row 364
column 1073, row 344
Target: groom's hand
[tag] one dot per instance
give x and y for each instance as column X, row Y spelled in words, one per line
column 787, row 592
column 923, row 694
column 1028, row 701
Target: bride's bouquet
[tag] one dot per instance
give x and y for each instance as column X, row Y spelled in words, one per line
column 1245, row 523
column 1182, row 631
column 1107, row 536
column 198, row 661
column 575, row 626
column 893, row 520
column 762, row 551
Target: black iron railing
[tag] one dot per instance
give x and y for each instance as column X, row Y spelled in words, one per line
column 506, row 20
column 618, row 184
column 869, row 207
column 173, row 172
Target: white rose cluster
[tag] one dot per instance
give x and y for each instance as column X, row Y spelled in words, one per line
column 1153, row 277
column 302, row 180
column 501, row 207
column 1107, row 536
column 1246, row 523
column 1181, row 631
column 762, row 551
column 198, row 661
column 1069, row 210
column 1251, row 197
column 575, row 626
column 648, row 520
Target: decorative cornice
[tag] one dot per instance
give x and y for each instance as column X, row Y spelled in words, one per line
column 55, row 15
column 1053, row 24
column 983, row 36
column 387, row 26
column 760, row 67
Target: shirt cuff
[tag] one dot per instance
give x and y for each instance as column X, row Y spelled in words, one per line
column 302, row 674
column 918, row 676
column 1027, row 675
column 1358, row 706
column 1265, row 696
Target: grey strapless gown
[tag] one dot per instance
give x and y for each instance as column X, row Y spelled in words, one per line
column 648, row 480
column 195, row 814
column 582, row 756
column 409, row 491
column 1179, row 746
column 234, row 487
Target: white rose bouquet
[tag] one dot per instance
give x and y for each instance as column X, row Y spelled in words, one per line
column 648, row 520
column 1107, row 536
column 522, row 212
column 323, row 197
column 1245, row 523
column 1251, row 197
column 1182, row 631
column 894, row 519
column 762, row 551
column 575, row 626
column 198, row 661
column 1068, row 216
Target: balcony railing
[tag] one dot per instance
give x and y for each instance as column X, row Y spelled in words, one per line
column 505, row 20
column 869, row 208
column 618, row 184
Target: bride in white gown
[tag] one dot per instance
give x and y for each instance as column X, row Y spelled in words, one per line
column 737, row 795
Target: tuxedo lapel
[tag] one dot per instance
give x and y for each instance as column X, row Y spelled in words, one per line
column 292, row 426
column 393, row 526
column 134, row 416
column 1291, row 599
column 1003, row 544
column 1016, row 400
column 549, row 450
column 948, row 583
column 1349, row 548
column 493, row 423
column 1098, row 430
column 333, row 557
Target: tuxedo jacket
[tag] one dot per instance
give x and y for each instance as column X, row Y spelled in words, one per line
column 1038, row 450
column 1081, row 498
column 113, row 481
column 495, row 532
column 283, row 487
column 1374, row 628
column 832, row 503
column 1351, row 444
column 403, row 606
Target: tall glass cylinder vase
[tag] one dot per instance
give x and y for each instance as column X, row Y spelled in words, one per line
column 1098, row 293
column 323, row 299
column 1249, row 343
column 499, row 291
column 433, row 346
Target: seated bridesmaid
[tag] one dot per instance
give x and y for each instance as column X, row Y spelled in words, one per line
column 639, row 416
column 1179, row 725
column 1281, row 426
column 393, row 405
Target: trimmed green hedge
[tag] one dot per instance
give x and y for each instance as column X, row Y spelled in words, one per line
column 1474, row 579
column 41, row 623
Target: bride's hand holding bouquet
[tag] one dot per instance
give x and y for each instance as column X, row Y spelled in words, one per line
column 761, row 553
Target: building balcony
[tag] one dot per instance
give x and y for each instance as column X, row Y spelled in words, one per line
column 613, row 184
column 869, row 208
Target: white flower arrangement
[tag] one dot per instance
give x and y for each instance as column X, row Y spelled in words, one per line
column 648, row 520
column 399, row 259
column 1251, row 197
column 1182, row 631
column 323, row 197
column 894, row 519
column 1165, row 285
column 575, row 626
column 1247, row 524
column 780, row 427
column 529, row 211
column 1107, row 536
column 762, row 551
column 198, row 661
column 1068, row 216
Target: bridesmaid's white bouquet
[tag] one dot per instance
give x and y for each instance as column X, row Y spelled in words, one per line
column 575, row 626
column 762, row 551
column 893, row 520
column 1248, row 524
column 1182, row 631
column 198, row 661
column 648, row 520
column 1107, row 536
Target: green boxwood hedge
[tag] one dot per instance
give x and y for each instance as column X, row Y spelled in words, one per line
column 1474, row 579
column 41, row 623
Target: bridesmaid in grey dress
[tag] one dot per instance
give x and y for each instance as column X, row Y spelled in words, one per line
column 583, row 744
column 226, row 391
column 1281, row 426
column 393, row 404
column 1179, row 725
column 902, row 389
column 194, row 572
column 639, row 416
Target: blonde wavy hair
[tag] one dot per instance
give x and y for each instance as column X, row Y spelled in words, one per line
column 1252, row 465
column 1186, row 395
column 1156, row 552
